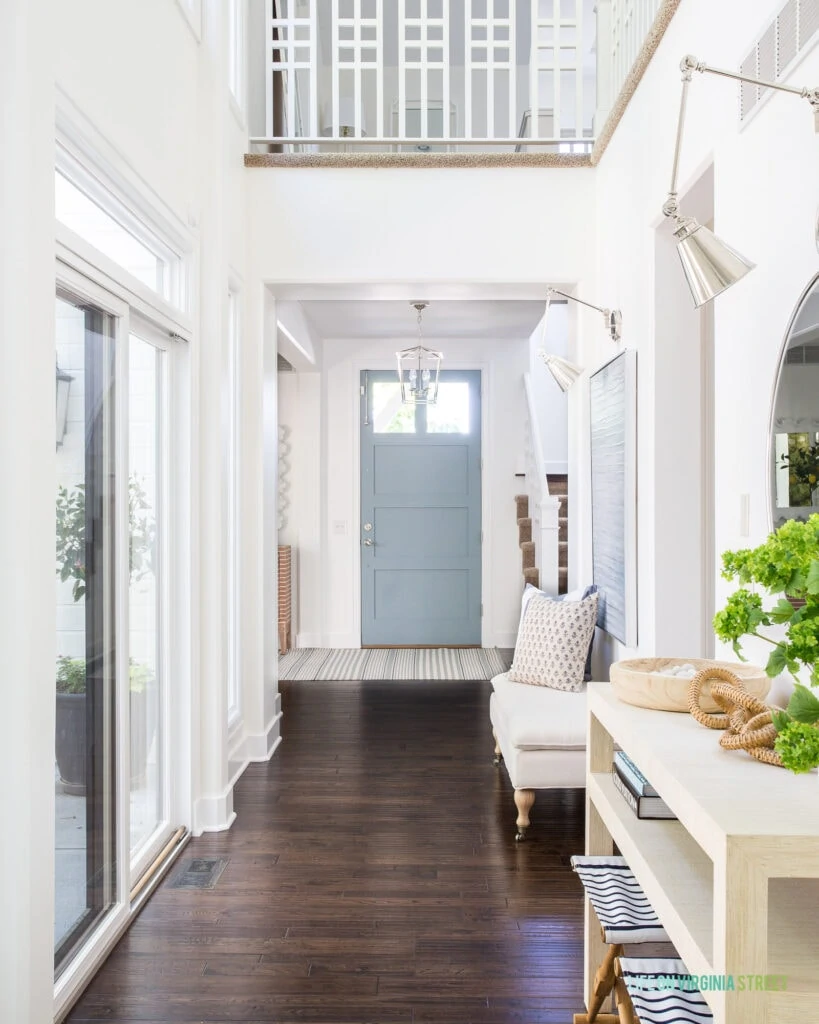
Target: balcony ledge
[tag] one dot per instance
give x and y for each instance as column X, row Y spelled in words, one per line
column 436, row 160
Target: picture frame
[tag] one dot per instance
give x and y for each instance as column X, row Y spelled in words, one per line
column 613, row 459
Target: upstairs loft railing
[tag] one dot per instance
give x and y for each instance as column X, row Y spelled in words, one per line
column 446, row 75
column 410, row 75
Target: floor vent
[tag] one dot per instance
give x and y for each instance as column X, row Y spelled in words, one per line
column 199, row 873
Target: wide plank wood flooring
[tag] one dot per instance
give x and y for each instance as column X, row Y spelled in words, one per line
column 373, row 877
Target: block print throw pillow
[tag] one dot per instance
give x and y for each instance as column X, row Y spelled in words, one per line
column 553, row 642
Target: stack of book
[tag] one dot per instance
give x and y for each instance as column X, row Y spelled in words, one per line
column 636, row 790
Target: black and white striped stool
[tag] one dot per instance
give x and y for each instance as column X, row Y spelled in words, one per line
column 625, row 916
column 660, row 991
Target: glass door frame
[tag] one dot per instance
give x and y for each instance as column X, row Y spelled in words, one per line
column 81, row 280
column 75, row 287
column 147, row 331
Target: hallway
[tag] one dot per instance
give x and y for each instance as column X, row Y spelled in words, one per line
column 372, row 877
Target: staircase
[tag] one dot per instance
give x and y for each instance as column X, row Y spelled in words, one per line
column 558, row 487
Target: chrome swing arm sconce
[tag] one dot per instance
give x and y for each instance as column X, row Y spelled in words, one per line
column 612, row 318
column 564, row 372
column 709, row 264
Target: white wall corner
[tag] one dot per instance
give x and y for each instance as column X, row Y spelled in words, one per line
column 295, row 337
column 214, row 813
column 505, row 640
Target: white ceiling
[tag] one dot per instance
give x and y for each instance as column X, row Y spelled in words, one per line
column 374, row 318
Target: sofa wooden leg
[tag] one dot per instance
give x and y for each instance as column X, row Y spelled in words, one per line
column 496, row 760
column 524, row 798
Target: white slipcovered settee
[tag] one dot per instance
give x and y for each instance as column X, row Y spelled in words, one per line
column 538, row 708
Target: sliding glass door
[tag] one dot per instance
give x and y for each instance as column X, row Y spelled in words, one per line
column 147, row 641
column 112, row 778
column 86, row 642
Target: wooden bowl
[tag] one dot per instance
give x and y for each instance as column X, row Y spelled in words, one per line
column 641, row 681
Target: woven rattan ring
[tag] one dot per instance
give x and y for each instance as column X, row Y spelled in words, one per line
column 746, row 720
column 707, row 675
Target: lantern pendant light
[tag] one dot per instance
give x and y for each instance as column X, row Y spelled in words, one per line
column 419, row 369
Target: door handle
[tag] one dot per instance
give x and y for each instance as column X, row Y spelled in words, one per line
column 368, row 543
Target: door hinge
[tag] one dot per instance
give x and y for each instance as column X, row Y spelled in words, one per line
column 361, row 391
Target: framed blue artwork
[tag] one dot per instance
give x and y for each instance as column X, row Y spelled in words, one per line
column 613, row 447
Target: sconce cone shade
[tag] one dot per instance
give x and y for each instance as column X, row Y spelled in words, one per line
column 710, row 266
column 564, row 372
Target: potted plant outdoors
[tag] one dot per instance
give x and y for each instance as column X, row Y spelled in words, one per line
column 71, row 672
column 71, row 748
column 802, row 463
column 787, row 563
column 70, row 744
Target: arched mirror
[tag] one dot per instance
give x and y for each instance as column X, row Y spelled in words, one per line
column 794, row 441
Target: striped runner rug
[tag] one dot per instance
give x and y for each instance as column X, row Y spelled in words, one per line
column 319, row 663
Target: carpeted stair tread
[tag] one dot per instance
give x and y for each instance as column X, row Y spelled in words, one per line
column 524, row 530
column 532, row 576
column 522, row 505
column 527, row 552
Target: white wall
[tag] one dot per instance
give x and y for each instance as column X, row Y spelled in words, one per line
column 475, row 227
column 764, row 200
column 552, row 404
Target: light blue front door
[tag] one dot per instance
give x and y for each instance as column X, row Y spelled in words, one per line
column 421, row 513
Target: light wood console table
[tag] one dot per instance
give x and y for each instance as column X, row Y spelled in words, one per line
column 735, row 881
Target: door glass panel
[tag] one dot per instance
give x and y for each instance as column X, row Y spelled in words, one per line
column 450, row 414
column 144, row 598
column 389, row 415
column 85, row 670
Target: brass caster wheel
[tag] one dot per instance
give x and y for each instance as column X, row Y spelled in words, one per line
column 520, row 837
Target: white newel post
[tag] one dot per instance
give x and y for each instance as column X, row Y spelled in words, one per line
column 548, row 547
column 27, row 494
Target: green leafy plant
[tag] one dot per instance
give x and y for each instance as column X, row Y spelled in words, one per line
column 787, row 563
column 71, row 535
column 71, row 675
column 802, row 463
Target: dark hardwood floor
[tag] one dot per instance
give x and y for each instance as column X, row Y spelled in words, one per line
column 373, row 877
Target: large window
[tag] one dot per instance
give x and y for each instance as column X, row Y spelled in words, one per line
column 86, row 668
column 147, row 544
column 114, row 398
column 95, row 214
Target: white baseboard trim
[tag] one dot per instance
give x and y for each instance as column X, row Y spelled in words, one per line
column 214, row 813
column 338, row 641
column 260, row 747
column 309, row 640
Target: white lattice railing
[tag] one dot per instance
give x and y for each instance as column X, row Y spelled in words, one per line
column 429, row 74
column 544, row 508
column 622, row 28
